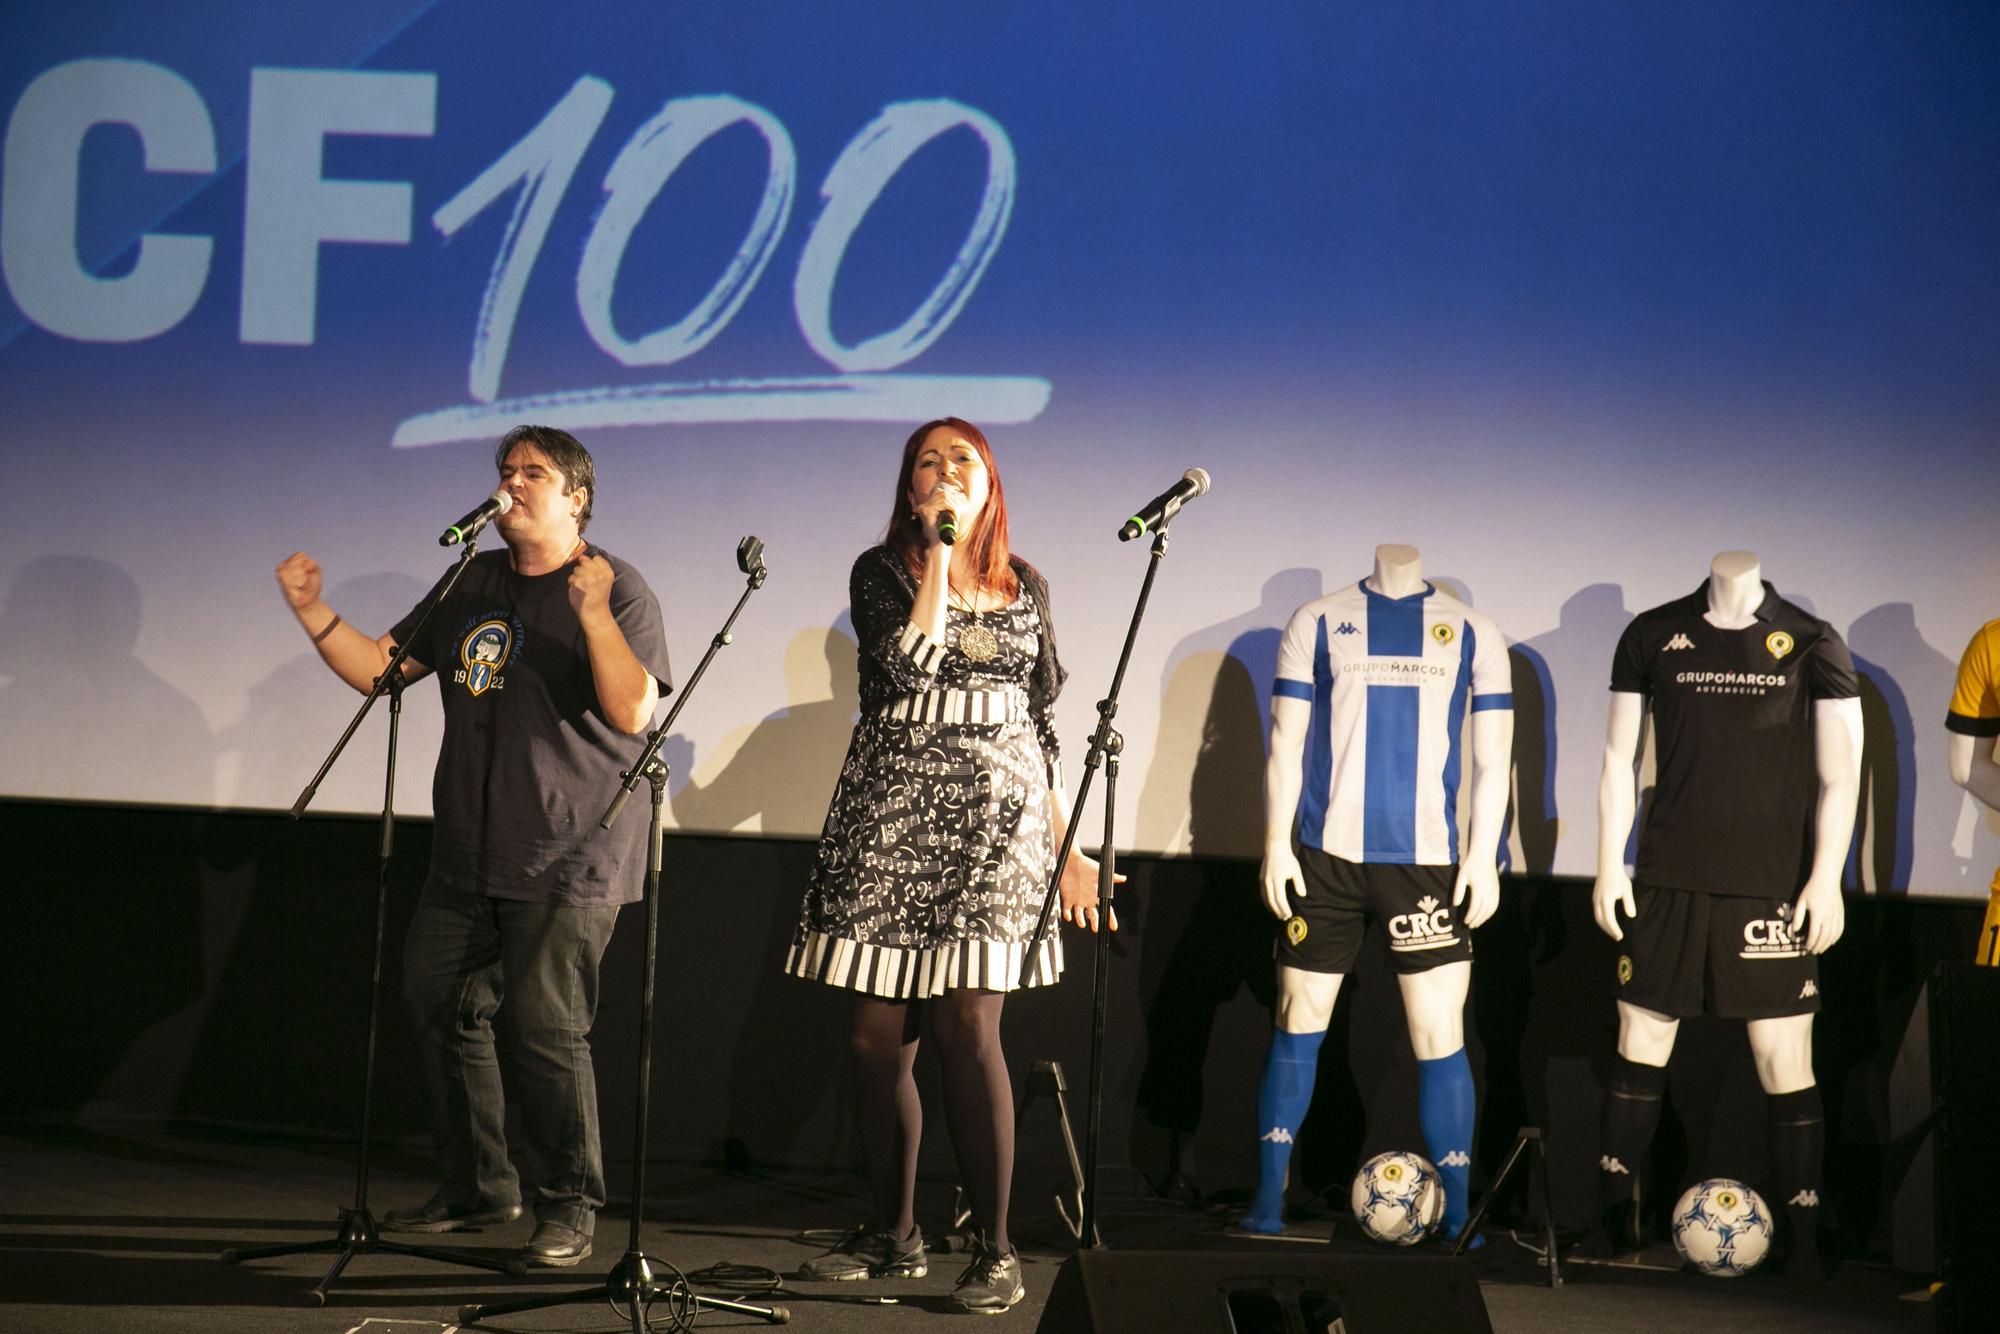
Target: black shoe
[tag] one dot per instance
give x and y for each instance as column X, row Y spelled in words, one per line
column 1616, row 1236
column 991, row 1284
column 439, row 1215
column 556, row 1246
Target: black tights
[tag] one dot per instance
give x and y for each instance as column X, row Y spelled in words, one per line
column 978, row 1102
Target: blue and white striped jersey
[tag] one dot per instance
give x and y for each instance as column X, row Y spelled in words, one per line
column 1390, row 681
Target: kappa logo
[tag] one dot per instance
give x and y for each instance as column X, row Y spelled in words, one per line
column 1456, row 1158
column 1678, row 641
column 1779, row 643
column 1609, row 1164
column 1811, row 988
column 1346, row 628
column 1276, row 1135
column 1428, row 928
column 1805, row 1199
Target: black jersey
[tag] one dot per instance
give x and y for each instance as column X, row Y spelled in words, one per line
column 1733, row 739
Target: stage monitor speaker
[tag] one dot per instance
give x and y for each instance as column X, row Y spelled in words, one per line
column 1260, row 1291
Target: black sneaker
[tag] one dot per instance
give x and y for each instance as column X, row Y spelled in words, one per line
column 440, row 1215
column 871, row 1253
column 991, row 1284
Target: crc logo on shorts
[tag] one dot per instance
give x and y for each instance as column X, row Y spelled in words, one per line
column 1428, row 928
column 1295, row 929
column 1441, row 632
column 490, row 643
column 1779, row 643
column 1624, row 969
column 1772, row 937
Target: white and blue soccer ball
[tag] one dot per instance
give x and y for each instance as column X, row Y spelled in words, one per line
column 1722, row 1227
column 1398, row 1198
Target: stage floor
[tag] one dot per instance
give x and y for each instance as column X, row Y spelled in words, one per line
column 121, row 1230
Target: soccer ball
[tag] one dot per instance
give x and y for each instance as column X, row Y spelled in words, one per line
column 1722, row 1227
column 1398, row 1198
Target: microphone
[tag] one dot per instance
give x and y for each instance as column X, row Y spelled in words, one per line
column 947, row 526
column 468, row 527
column 1166, row 505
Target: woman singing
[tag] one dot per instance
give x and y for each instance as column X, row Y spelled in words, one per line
column 938, row 848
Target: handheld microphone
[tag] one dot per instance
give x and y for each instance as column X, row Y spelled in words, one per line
column 1164, row 506
column 947, row 526
column 468, row 527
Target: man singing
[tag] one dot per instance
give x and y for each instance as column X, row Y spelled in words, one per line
column 551, row 659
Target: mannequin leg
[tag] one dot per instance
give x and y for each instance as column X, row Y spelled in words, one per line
column 1783, row 1052
column 1305, row 1006
column 1631, row 1115
column 1447, row 1104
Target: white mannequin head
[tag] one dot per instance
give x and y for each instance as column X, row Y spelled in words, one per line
column 1399, row 571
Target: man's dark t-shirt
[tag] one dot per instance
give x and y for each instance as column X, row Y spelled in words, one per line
column 1731, row 812
column 528, row 762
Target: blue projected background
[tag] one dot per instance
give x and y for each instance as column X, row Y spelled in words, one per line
column 1569, row 296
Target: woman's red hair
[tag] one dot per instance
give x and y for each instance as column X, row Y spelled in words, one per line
column 986, row 544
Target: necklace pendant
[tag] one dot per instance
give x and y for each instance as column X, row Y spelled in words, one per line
column 978, row 643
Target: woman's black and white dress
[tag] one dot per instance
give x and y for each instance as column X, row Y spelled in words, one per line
column 938, row 845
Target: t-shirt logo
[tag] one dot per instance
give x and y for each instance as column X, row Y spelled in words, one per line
column 1678, row 641
column 486, row 649
column 1441, row 632
column 1779, row 643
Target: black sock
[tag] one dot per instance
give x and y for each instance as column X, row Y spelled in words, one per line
column 1798, row 1155
column 1625, row 1131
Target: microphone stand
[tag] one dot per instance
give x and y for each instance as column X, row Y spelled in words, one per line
column 358, row 1233
column 632, row 1283
column 1105, row 746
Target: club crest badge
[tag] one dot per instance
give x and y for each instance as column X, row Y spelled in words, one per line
column 1624, row 969
column 487, row 647
column 1779, row 643
column 1442, row 633
column 1295, row 929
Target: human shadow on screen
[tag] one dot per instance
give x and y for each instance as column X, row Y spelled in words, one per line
column 781, row 774
column 1203, row 946
column 106, row 937
column 297, row 710
column 82, row 717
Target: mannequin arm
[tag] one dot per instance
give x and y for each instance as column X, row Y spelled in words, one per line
column 1973, row 766
column 1617, row 803
column 1820, row 913
column 1283, row 777
column 1478, row 870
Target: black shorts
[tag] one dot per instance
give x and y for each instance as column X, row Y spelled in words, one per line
column 1688, row 954
column 1414, row 902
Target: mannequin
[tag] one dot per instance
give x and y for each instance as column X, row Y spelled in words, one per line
column 1974, row 725
column 1395, row 656
column 1718, row 862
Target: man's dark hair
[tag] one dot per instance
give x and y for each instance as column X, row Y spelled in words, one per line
column 563, row 450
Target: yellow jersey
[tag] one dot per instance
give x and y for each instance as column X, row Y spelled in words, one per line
column 1975, row 712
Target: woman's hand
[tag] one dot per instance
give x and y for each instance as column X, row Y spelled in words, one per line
column 1079, row 892
column 944, row 497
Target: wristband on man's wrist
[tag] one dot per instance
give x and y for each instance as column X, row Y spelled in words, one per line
column 320, row 638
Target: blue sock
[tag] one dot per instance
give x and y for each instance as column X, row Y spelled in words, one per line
column 1445, row 1106
column 1282, row 1099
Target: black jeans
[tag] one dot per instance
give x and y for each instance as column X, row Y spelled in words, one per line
column 466, row 954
